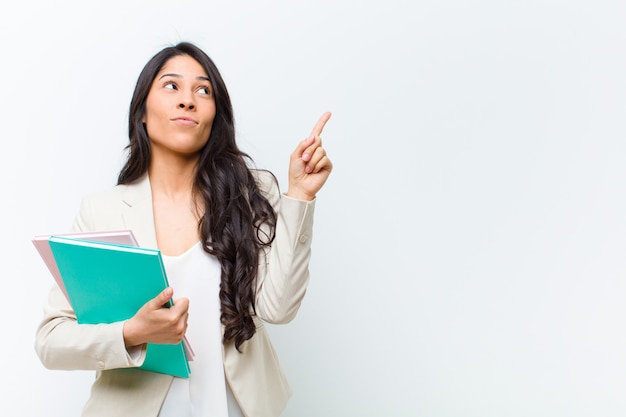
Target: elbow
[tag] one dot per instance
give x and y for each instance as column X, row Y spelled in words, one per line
column 280, row 314
column 42, row 353
column 49, row 345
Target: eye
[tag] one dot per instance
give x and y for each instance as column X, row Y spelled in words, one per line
column 170, row 86
column 204, row 90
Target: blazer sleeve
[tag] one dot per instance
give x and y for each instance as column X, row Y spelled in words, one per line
column 283, row 274
column 62, row 343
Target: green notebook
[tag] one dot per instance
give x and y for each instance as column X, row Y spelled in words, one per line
column 107, row 282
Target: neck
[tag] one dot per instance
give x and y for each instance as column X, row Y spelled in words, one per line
column 172, row 180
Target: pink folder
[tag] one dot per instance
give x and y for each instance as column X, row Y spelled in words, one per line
column 121, row 237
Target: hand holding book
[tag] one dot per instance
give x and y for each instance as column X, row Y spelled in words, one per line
column 158, row 321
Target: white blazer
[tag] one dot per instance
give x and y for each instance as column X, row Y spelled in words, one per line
column 254, row 375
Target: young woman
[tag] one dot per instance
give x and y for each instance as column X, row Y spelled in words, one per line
column 236, row 253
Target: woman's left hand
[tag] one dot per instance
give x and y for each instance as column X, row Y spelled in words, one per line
column 309, row 165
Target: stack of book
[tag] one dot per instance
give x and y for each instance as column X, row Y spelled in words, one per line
column 107, row 277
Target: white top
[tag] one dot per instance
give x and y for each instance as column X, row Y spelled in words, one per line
column 196, row 275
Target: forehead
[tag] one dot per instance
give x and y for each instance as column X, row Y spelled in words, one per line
column 183, row 65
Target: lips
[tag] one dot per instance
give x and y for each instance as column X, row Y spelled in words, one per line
column 186, row 121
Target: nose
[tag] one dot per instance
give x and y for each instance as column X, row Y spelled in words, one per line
column 190, row 106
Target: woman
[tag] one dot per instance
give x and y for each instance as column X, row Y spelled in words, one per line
column 236, row 252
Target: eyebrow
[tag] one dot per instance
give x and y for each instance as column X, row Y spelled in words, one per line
column 199, row 77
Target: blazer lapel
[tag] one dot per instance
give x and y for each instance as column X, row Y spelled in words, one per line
column 137, row 213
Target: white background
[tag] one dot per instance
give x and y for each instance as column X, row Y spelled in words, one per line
column 468, row 257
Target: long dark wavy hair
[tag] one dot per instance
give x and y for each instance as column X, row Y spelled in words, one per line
column 238, row 221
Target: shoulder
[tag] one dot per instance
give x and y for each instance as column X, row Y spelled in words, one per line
column 127, row 193
column 110, row 193
column 103, row 209
column 267, row 182
column 106, row 197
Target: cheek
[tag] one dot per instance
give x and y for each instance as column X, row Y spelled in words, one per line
column 212, row 119
column 153, row 120
column 147, row 123
column 208, row 129
column 152, row 113
column 154, row 128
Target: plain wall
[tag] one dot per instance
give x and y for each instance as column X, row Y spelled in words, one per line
column 468, row 254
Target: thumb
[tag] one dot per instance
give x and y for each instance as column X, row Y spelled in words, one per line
column 162, row 299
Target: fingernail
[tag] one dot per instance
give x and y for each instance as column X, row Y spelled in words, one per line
column 305, row 156
column 308, row 169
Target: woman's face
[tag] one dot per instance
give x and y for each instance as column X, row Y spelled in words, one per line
column 180, row 108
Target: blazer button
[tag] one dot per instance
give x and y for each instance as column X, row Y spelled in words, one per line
column 100, row 365
column 303, row 238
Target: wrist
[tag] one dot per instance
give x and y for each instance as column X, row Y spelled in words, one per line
column 299, row 195
column 130, row 337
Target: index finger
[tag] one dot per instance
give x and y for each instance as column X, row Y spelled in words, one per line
column 319, row 126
